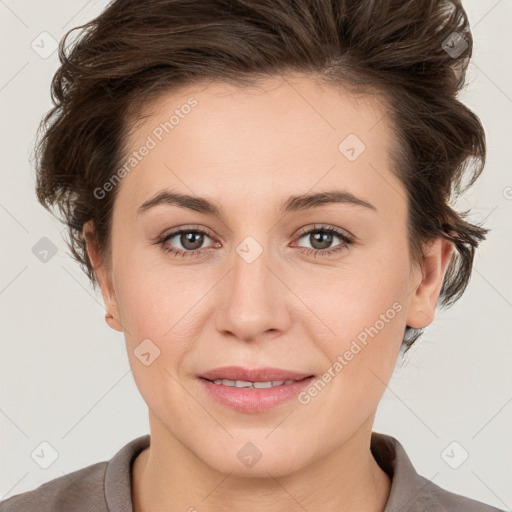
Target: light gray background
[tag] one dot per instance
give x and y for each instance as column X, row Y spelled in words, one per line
column 65, row 374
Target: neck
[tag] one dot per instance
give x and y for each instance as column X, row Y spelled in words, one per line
column 168, row 476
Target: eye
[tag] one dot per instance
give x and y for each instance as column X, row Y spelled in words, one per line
column 191, row 239
column 321, row 239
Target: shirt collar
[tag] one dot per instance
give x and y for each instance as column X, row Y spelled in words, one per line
column 410, row 492
column 118, row 475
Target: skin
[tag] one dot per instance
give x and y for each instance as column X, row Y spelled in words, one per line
column 249, row 150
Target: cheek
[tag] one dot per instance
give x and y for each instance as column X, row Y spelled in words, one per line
column 358, row 297
column 158, row 301
column 161, row 326
column 163, row 313
column 364, row 308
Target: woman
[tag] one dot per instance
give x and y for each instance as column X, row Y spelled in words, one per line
column 261, row 190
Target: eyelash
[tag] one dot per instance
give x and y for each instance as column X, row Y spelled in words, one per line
column 325, row 252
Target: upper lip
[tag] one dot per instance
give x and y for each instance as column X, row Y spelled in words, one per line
column 255, row 375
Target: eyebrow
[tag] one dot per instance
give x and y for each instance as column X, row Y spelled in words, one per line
column 292, row 204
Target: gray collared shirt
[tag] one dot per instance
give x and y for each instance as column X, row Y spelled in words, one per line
column 106, row 486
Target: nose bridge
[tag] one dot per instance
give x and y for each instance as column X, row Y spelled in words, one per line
column 254, row 299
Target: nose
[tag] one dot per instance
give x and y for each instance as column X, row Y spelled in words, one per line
column 253, row 301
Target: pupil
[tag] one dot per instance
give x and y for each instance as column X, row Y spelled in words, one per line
column 195, row 239
column 324, row 238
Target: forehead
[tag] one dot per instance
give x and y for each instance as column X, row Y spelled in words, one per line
column 293, row 132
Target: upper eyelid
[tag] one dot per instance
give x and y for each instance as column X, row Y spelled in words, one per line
column 188, row 229
column 326, row 227
column 305, row 231
column 302, row 231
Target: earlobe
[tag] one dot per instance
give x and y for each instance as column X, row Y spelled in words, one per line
column 433, row 270
column 103, row 277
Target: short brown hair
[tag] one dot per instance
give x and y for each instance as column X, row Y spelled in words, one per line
column 413, row 52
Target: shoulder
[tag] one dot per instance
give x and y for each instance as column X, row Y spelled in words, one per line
column 78, row 491
column 100, row 487
column 437, row 499
column 411, row 491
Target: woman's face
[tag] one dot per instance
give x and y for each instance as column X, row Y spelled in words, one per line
column 264, row 286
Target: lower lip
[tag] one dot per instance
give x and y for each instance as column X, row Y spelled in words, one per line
column 254, row 400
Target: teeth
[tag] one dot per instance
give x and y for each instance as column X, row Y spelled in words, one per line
column 249, row 384
column 262, row 385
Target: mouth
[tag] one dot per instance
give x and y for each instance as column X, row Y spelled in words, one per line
column 253, row 391
column 243, row 377
column 255, row 384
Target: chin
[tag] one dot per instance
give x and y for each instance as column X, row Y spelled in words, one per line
column 253, row 459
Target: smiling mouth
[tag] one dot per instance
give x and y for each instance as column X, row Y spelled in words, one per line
column 230, row 375
column 253, row 390
column 255, row 384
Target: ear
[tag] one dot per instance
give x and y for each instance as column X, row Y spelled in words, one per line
column 103, row 276
column 423, row 303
